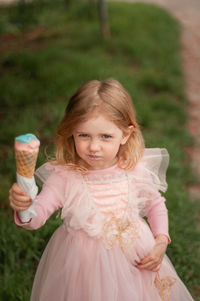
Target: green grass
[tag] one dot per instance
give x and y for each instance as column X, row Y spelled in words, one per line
column 39, row 75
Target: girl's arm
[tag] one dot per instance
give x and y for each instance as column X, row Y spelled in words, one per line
column 158, row 220
column 157, row 217
column 47, row 204
column 48, row 201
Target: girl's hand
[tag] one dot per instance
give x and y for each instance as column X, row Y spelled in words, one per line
column 153, row 260
column 18, row 199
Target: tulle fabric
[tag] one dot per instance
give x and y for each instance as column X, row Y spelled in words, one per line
column 76, row 267
column 152, row 168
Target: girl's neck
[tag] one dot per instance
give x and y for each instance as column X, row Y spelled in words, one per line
column 103, row 170
column 86, row 168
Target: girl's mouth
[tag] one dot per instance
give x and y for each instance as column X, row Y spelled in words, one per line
column 94, row 157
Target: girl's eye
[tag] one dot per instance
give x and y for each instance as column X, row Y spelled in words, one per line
column 83, row 135
column 105, row 136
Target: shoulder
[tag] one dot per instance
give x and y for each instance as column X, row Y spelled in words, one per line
column 152, row 168
column 52, row 171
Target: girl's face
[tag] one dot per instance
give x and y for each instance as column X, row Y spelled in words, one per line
column 97, row 142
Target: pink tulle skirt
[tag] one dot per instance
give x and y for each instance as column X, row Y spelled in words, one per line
column 76, row 267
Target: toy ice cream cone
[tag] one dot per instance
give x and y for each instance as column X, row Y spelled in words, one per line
column 25, row 162
column 26, row 152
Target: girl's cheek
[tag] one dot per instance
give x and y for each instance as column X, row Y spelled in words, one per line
column 80, row 144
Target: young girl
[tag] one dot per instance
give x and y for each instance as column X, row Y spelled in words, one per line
column 105, row 182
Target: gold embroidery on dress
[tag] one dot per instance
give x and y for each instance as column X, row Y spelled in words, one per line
column 125, row 232
column 163, row 286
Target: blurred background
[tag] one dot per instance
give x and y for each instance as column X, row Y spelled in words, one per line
column 48, row 48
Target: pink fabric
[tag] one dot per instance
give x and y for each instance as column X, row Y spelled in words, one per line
column 93, row 254
column 107, row 199
column 157, row 217
column 48, row 202
column 60, row 190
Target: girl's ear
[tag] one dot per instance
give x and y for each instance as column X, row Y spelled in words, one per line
column 127, row 134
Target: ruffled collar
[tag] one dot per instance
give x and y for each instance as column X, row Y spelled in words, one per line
column 107, row 175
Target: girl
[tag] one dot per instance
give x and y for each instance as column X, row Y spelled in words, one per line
column 105, row 182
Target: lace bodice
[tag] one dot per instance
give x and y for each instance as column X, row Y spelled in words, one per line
column 108, row 191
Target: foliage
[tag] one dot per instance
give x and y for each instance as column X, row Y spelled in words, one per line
column 42, row 64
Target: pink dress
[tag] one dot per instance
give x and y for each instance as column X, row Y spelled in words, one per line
column 92, row 255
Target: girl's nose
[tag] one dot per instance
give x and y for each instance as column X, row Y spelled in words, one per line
column 94, row 146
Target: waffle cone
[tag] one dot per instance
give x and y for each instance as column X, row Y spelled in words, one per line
column 25, row 163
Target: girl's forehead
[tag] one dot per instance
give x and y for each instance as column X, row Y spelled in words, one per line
column 97, row 122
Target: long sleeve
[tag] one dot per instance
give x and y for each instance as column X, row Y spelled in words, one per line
column 149, row 179
column 48, row 201
column 157, row 217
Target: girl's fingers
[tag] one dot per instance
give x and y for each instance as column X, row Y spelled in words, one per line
column 18, row 194
column 16, row 189
column 150, row 266
column 18, row 199
column 151, row 259
column 149, row 263
column 19, row 205
column 18, row 208
column 147, row 266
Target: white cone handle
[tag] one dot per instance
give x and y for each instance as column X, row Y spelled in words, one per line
column 31, row 189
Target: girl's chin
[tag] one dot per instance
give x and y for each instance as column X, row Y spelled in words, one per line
column 96, row 164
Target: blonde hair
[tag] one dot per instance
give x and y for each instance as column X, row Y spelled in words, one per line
column 111, row 99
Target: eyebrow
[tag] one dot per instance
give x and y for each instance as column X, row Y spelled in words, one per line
column 103, row 133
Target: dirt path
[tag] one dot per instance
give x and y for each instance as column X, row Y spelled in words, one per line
column 191, row 64
column 188, row 13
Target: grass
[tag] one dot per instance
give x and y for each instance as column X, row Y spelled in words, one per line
column 53, row 49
